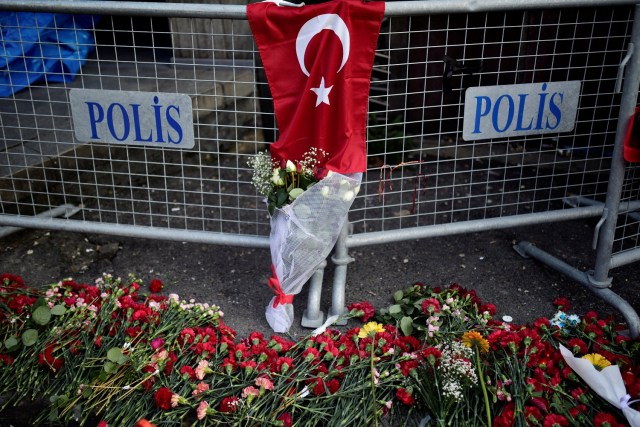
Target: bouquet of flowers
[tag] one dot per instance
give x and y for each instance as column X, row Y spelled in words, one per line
column 308, row 207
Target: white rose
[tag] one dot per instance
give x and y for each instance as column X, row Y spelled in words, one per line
column 348, row 196
column 275, row 178
column 290, row 167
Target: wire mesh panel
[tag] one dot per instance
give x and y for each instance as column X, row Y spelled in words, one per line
column 421, row 172
column 204, row 188
column 627, row 234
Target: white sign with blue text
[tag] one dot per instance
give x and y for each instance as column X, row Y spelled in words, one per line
column 518, row 110
column 132, row 118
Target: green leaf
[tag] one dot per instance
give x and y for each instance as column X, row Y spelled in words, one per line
column 29, row 337
column 59, row 401
column 58, row 310
column 395, row 309
column 41, row 315
column 114, row 354
column 109, row 367
column 406, row 325
column 281, row 197
column 398, row 295
column 11, row 343
column 87, row 392
column 295, row 193
column 40, row 302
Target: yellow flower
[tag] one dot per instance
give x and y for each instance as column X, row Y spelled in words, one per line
column 598, row 360
column 474, row 339
column 370, row 330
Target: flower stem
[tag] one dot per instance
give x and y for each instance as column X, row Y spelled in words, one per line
column 484, row 387
column 373, row 381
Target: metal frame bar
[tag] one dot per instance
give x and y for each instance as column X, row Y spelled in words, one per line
column 189, row 10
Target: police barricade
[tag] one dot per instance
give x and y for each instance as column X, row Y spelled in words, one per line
column 481, row 116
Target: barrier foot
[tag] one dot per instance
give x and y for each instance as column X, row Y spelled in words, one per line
column 602, row 290
column 312, row 316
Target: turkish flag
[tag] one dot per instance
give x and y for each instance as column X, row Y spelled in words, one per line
column 318, row 61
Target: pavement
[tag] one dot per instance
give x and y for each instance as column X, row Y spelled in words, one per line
column 235, row 278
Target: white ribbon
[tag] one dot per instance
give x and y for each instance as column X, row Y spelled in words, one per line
column 330, row 321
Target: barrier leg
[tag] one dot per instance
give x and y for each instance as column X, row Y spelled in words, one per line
column 342, row 260
column 312, row 316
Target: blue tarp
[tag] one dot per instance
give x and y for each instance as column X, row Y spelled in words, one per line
column 42, row 46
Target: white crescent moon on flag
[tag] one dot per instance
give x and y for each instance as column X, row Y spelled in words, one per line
column 327, row 21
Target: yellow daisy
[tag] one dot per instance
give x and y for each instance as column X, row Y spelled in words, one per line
column 598, row 360
column 474, row 339
column 370, row 330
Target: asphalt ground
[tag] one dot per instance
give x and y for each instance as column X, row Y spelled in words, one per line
column 235, row 278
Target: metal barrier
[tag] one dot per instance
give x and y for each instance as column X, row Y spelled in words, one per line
column 423, row 178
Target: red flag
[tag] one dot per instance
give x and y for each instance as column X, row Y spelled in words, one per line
column 632, row 139
column 318, row 61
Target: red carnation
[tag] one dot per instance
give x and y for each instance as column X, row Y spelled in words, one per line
column 229, row 404
column 283, row 364
column 430, row 305
column 404, row 397
column 286, row 419
column 532, row 414
column 365, row 307
column 156, row 286
column 603, row 419
column 333, row 385
column 311, row 354
column 163, row 398
column 11, row 280
column 577, row 346
column 188, row 372
column 488, row 307
column 6, row 360
column 555, row 420
column 431, row 354
column 47, row 359
column 562, row 303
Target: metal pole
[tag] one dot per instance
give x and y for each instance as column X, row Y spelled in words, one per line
column 188, row 10
column 137, row 231
column 381, row 237
column 66, row 210
column 342, row 260
column 313, row 317
column 616, row 176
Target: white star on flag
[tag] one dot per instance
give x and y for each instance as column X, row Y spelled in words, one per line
column 322, row 93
